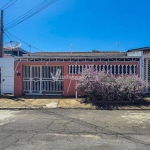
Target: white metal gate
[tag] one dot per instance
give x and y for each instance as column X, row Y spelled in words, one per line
column 147, row 73
column 43, row 80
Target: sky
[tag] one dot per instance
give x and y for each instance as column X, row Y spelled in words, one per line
column 86, row 24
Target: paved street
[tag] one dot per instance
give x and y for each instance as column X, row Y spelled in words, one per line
column 70, row 129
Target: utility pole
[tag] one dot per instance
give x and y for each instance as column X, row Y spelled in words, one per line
column 1, row 33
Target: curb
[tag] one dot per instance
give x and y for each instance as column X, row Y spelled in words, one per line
column 139, row 109
column 25, row 108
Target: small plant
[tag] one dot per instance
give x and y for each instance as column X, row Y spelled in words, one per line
column 101, row 85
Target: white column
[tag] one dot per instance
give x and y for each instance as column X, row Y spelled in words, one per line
column 78, row 69
column 82, row 67
column 86, row 66
column 130, row 71
column 126, row 69
column 107, row 68
column 72, row 69
column 122, row 69
column 75, row 69
column 134, row 69
column 110, row 68
column 40, row 79
column 92, row 66
column 118, row 69
column 103, row 67
column 30, row 79
column 99, row 67
column 96, row 68
column 114, row 69
column 69, row 68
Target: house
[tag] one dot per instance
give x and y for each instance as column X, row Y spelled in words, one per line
column 56, row 73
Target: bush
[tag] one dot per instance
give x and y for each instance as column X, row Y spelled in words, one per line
column 99, row 85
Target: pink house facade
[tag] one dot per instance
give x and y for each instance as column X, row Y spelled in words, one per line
column 51, row 73
column 56, row 73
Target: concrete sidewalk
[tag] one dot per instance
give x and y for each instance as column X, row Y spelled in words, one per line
column 47, row 103
column 42, row 103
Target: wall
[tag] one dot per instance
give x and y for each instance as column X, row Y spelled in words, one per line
column 7, row 75
column 69, row 85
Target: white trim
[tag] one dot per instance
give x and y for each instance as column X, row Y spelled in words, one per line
column 76, row 59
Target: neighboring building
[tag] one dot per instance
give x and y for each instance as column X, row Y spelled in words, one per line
column 34, row 73
column 15, row 52
column 144, row 54
column 7, row 70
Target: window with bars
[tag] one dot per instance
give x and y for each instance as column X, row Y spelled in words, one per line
column 114, row 69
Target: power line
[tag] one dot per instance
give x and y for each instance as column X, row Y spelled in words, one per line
column 10, row 41
column 30, row 13
column 8, row 36
column 23, row 41
column 5, row 6
column 10, row 4
column 26, row 12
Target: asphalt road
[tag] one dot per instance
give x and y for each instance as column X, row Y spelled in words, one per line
column 69, row 129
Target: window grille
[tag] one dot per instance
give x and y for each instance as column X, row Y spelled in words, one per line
column 114, row 69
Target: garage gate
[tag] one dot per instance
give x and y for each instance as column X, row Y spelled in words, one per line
column 40, row 80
